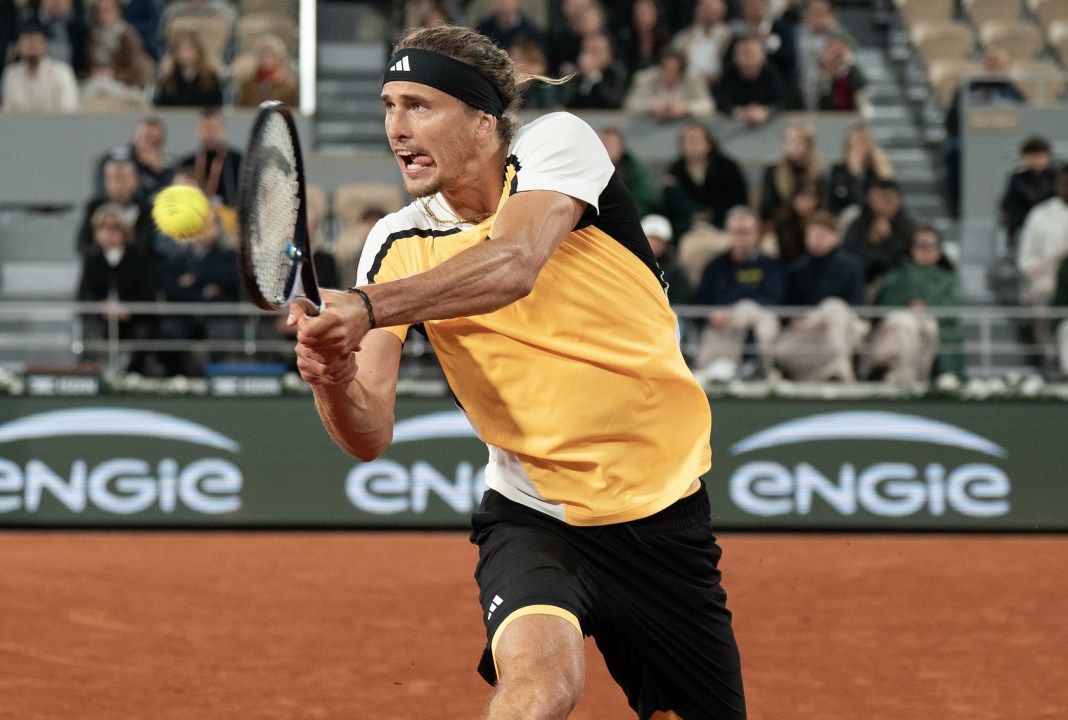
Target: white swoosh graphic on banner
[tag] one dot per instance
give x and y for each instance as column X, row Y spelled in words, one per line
column 112, row 421
column 867, row 426
column 449, row 424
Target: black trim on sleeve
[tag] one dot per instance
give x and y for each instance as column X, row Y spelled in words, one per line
column 619, row 220
column 393, row 237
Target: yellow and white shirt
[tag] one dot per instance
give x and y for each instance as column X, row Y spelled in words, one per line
column 579, row 389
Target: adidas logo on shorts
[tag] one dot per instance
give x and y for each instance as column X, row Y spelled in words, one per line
column 493, row 606
column 401, row 65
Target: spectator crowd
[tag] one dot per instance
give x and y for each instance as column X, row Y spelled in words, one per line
column 784, row 262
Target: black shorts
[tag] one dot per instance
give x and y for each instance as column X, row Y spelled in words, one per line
column 648, row 591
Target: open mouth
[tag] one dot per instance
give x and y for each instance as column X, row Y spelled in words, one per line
column 413, row 161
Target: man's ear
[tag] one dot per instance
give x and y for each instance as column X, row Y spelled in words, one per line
column 487, row 124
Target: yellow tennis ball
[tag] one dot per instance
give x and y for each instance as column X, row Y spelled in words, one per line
column 181, row 211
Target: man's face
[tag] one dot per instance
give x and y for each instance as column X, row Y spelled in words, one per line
column 670, row 70
column 694, row 144
column 754, row 11
column 1038, row 161
column 818, row 16
column 120, row 181
column 32, row 47
column 598, row 49
column 211, row 132
column 820, row 240
column 749, row 57
column 613, row 143
column 432, row 135
column 885, row 202
column 148, row 136
column 709, row 12
column 506, row 8
column 744, row 235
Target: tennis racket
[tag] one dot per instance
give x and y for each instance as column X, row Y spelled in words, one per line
column 276, row 261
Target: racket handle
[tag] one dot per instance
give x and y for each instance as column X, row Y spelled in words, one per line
column 309, row 307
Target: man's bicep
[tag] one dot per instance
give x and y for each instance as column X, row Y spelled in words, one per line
column 540, row 219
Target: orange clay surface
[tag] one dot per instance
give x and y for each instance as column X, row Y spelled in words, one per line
column 386, row 625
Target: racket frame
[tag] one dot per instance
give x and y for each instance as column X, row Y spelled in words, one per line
column 302, row 286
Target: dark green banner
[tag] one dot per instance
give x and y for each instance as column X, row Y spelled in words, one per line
column 778, row 464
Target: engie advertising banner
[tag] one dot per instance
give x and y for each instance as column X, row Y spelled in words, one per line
column 268, row 462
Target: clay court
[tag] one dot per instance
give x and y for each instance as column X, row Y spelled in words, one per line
column 98, row 625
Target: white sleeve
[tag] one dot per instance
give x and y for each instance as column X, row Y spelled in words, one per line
column 371, row 247
column 560, row 152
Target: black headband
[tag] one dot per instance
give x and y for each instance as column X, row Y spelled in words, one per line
column 456, row 78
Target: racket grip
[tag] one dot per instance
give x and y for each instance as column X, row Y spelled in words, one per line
column 309, row 307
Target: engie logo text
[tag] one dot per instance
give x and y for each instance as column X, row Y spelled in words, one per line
column 78, row 464
column 886, row 464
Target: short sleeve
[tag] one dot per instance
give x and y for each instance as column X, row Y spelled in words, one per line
column 377, row 265
column 560, row 152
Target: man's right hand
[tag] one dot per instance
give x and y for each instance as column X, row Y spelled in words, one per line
column 319, row 364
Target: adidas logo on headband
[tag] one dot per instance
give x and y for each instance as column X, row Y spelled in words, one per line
column 401, row 65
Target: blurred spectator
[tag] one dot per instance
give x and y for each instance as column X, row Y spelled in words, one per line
column 994, row 88
column 863, row 162
column 819, row 24
column 115, row 51
column 347, row 254
column 705, row 40
column 642, row 39
column 776, row 36
column 601, row 80
column 751, row 88
column 1043, row 244
column 739, row 282
column 144, row 16
column 187, row 77
column 1060, row 326
column 657, row 229
column 145, row 149
column 116, row 271
column 703, row 183
column 428, row 13
column 879, row 237
column 1034, row 182
column 639, row 184
column 799, row 166
column 36, row 83
column 582, row 18
column 204, row 271
column 820, row 344
column 9, row 18
column 529, row 58
column 841, row 81
column 791, row 221
column 221, row 9
column 65, row 24
column 508, row 24
column 905, row 344
column 669, row 91
column 273, row 78
column 216, row 165
column 120, row 190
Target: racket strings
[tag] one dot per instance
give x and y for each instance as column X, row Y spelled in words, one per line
column 274, row 217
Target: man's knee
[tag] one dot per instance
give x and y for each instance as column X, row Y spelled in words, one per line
column 541, row 668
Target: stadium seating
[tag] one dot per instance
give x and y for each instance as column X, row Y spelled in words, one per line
column 945, row 40
column 1057, row 36
column 212, row 31
column 921, row 11
column 1022, row 41
column 1047, row 11
column 1042, row 81
column 981, row 11
column 945, row 77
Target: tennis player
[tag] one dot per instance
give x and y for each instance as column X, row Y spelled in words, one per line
column 524, row 262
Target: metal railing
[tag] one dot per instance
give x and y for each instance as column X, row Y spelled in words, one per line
column 257, row 339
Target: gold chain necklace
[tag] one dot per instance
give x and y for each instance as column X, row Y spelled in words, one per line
column 470, row 220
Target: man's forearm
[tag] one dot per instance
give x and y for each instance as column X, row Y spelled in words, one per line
column 359, row 423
